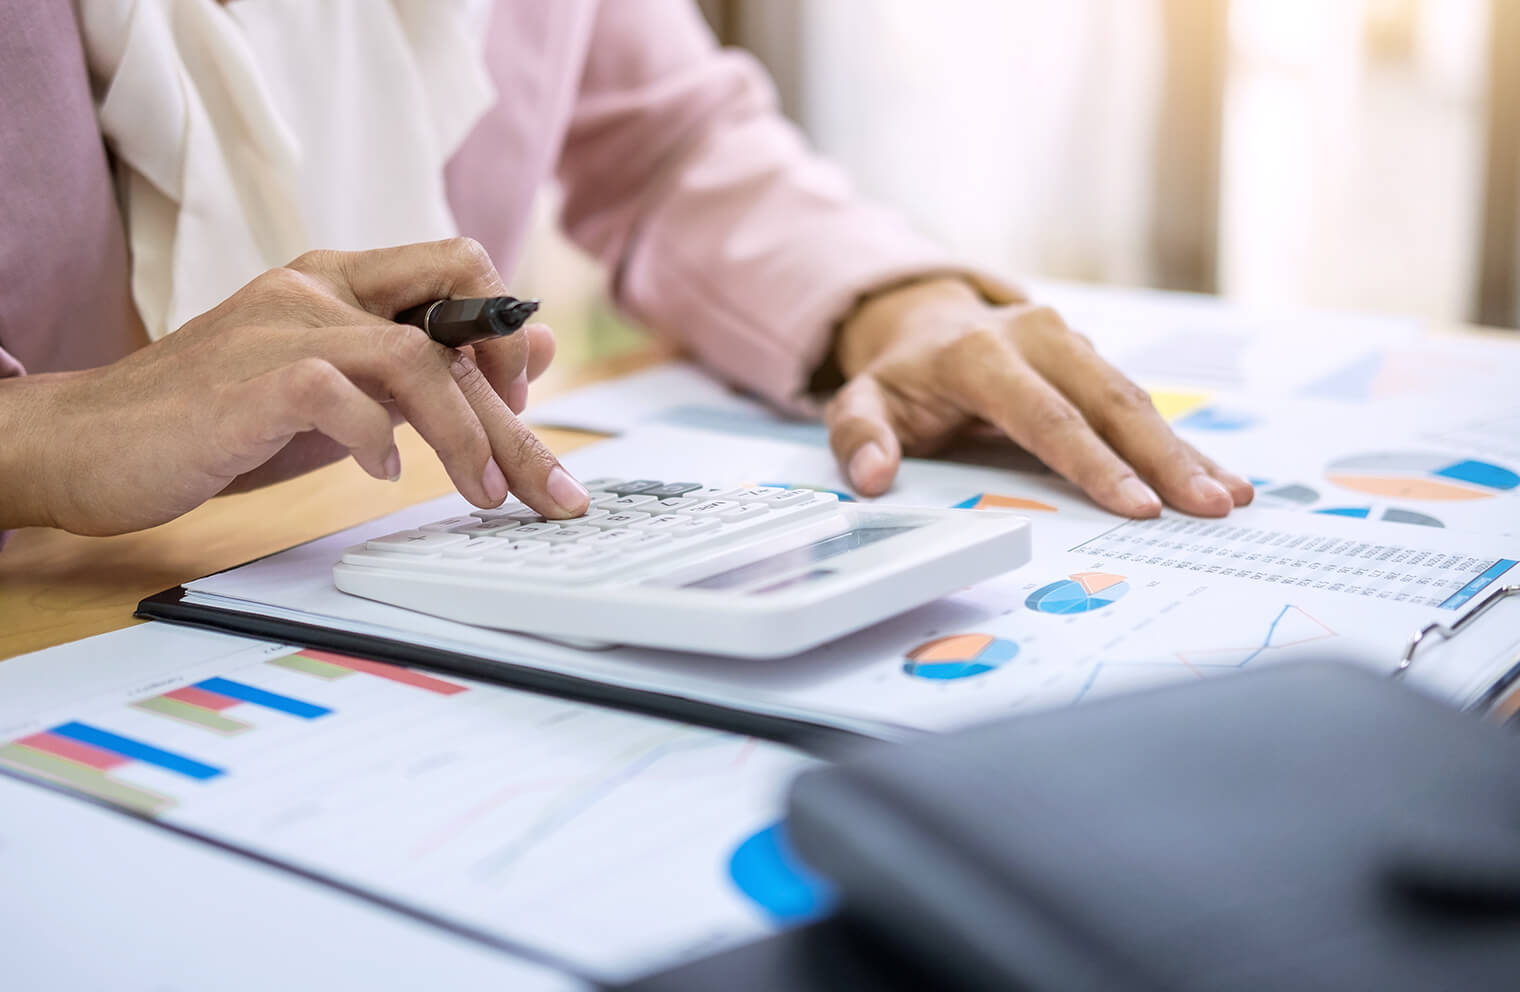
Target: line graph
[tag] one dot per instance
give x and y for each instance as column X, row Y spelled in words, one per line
column 1290, row 627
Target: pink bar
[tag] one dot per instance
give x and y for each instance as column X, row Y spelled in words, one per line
column 395, row 673
column 200, row 697
column 76, row 751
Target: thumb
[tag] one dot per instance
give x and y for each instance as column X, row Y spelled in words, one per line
column 861, row 435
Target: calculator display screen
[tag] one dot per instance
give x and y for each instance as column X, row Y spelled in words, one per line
column 787, row 562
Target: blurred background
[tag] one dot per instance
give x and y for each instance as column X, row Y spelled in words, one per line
column 1350, row 154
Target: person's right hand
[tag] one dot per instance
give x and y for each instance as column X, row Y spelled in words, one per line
column 300, row 367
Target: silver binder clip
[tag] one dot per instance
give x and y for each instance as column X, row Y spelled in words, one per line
column 1447, row 632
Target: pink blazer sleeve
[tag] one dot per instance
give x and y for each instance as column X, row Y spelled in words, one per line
column 721, row 229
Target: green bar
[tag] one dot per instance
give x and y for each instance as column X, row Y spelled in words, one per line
column 176, row 709
column 89, row 780
column 312, row 666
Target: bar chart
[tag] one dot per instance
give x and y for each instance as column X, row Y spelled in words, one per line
column 498, row 808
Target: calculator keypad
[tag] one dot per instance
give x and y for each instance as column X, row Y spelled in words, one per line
column 629, row 524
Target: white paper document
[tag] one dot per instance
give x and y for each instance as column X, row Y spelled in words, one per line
column 1089, row 615
column 98, row 900
column 602, row 843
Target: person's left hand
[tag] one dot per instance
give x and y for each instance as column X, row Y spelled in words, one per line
column 924, row 362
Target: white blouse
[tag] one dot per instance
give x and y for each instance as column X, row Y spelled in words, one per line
column 248, row 133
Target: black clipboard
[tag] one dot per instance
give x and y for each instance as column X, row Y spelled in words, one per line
column 170, row 606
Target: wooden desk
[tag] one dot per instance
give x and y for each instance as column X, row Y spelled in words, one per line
column 57, row 587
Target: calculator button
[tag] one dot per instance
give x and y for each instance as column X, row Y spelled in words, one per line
column 602, row 499
column 672, row 505
column 534, row 530
column 745, row 512
column 415, row 542
column 713, row 508
column 755, row 493
column 609, row 538
column 635, row 487
column 449, row 524
column 712, row 492
column 628, row 503
column 625, row 519
column 695, row 526
column 664, row 521
column 570, row 552
column 672, row 489
column 596, row 561
column 515, row 511
column 517, row 549
column 601, row 485
column 486, row 528
column 593, row 514
column 478, row 548
column 790, row 497
column 567, row 534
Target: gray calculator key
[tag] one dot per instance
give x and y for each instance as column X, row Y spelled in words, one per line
column 634, row 487
column 672, row 489
column 601, row 484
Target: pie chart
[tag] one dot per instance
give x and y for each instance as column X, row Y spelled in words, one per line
column 1081, row 592
column 996, row 501
column 1422, row 475
column 1392, row 514
column 959, row 656
column 766, row 869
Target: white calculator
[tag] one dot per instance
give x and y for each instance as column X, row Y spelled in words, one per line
column 752, row 572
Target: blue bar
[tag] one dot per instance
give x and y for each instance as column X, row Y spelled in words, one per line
column 136, row 750
column 264, row 698
column 1479, row 584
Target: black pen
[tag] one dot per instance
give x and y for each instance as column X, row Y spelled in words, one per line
column 456, row 323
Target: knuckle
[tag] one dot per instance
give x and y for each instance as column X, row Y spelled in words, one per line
column 469, row 255
column 316, row 260
column 311, row 380
column 974, row 347
column 406, row 347
column 1123, row 395
column 1039, row 321
column 1057, row 419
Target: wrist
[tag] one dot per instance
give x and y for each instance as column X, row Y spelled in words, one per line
column 29, row 460
column 878, row 315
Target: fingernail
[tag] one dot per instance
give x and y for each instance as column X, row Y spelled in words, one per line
column 494, row 483
column 517, row 393
column 868, row 461
column 1139, row 497
column 1207, row 489
column 564, row 490
column 393, row 464
column 1233, row 482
